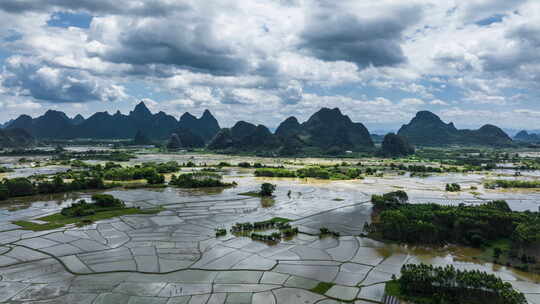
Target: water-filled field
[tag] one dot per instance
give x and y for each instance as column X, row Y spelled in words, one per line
column 174, row 256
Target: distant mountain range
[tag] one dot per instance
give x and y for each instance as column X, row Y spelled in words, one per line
column 525, row 136
column 427, row 129
column 328, row 131
column 102, row 125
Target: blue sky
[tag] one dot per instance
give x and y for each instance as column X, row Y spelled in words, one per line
column 471, row 62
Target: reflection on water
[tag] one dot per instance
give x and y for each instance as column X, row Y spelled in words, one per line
column 459, row 256
column 267, row 202
column 29, row 171
column 309, row 200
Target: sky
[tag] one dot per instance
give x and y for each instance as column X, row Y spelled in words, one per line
column 380, row 61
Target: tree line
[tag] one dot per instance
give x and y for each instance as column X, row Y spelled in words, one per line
column 450, row 285
column 473, row 225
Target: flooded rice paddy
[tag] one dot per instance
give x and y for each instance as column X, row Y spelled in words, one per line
column 174, row 256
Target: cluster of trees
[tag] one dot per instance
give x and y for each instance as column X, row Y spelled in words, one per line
column 90, row 179
column 390, row 199
column 453, row 187
column 450, row 285
column 254, row 165
column 149, row 173
column 419, row 168
column 102, row 202
column 199, row 180
column 221, row 232
column 473, row 159
column 334, row 172
column 275, row 223
column 247, row 229
column 5, row 170
column 152, row 172
column 437, row 224
column 267, row 189
column 502, row 183
column 275, row 173
column 323, row 231
column 22, row 186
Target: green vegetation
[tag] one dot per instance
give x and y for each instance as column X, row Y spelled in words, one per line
column 422, row 168
column 390, row 199
column 119, row 156
column 275, row 173
column 501, row 183
column 22, row 186
column 487, row 226
column 221, row 232
column 432, row 223
column 102, row 202
column 453, row 187
column 252, row 229
column 476, row 158
column 91, row 178
column 324, row 232
column 244, row 165
column 5, row 170
column 332, row 172
column 322, row 287
column 149, row 172
column 199, row 180
column 267, row 189
column 426, row 284
column 82, row 213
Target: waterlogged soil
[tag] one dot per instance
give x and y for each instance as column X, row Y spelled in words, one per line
column 174, row 256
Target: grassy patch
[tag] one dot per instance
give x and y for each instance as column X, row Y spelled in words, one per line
column 488, row 253
column 322, row 287
column 279, row 220
column 505, row 184
column 142, row 185
column 58, row 220
column 392, row 289
column 37, row 227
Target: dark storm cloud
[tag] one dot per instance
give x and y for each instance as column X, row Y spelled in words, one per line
column 334, row 35
column 141, row 8
column 184, row 44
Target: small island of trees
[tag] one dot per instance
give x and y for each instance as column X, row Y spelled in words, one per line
column 199, row 180
column 426, row 284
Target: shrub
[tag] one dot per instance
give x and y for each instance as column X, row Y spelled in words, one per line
column 390, row 199
column 107, row 200
column 4, row 192
column 244, row 165
column 198, row 180
column 19, row 186
column 79, row 209
column 267, row 189
column 453, row 187
column 272, row 172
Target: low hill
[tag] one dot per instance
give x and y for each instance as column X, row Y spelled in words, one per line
column 428, row 129
column 15, row 138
